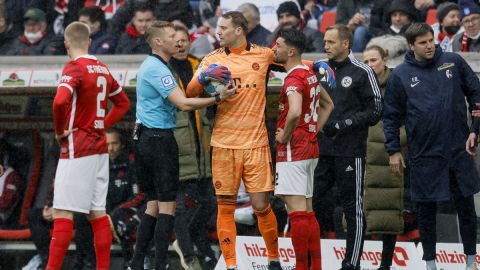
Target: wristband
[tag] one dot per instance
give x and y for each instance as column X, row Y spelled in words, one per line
column 218, row 99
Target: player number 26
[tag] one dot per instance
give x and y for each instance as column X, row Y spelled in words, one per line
column 313, row 115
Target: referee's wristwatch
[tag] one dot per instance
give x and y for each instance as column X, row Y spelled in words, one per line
column 218, row 99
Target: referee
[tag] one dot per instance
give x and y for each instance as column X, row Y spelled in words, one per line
column 156, row 150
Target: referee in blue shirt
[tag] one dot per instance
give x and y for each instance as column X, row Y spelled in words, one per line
column 156, row 151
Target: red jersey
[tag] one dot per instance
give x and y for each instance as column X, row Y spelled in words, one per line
column 303, row 144
column 91, row 85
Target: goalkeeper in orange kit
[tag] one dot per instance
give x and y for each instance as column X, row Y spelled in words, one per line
column 240, row 148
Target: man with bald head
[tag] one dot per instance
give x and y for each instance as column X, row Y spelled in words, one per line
column 80, row 119
column 257, row 34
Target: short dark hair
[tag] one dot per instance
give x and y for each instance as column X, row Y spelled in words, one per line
column 415, row 30
column 344, row 33
column 120, row 134
column 141, row 7
column 94, row 14
column 238, row 20
column 294, row 38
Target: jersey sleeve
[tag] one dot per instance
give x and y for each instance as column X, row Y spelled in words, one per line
column 163, row 81
column 115, row 89
column 72, row 77
column 293, row 84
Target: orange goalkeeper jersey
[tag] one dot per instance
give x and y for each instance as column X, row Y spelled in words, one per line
column 240, row 121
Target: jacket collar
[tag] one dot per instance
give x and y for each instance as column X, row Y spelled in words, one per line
column 249, row 45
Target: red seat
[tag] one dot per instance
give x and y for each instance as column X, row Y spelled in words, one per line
column 328, row 19
column 431, row 16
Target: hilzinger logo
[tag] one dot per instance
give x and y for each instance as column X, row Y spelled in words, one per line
column 400, row 257
column 253, row 250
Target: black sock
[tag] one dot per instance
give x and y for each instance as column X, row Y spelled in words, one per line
column 145, row 232
column 163, row 231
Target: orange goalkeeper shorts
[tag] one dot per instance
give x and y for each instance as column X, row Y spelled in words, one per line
column 253, row 166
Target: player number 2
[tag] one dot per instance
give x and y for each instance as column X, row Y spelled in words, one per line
column 313, row 105
column 101, row 82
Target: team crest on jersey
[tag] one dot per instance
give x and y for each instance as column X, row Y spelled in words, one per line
column 167, row 81
column 346, row 81
column 448, row 73
column 255, row 66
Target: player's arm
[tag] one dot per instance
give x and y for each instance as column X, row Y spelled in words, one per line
column 62, row 100
column 295, row 101
column 189, row 104
column 325, row 108
column 120, row 107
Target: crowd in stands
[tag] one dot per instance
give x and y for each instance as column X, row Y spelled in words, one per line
column 35, row 27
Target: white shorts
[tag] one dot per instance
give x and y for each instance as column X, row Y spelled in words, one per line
column 81, row 184
column 295, row 177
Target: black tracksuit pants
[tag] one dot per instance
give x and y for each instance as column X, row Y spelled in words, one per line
column 348, row 174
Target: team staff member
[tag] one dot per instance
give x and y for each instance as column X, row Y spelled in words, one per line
column 358, row 105
column 240, row 143
column 80, row 119
column 156, row 149
column 427, row 92
column 303, row 108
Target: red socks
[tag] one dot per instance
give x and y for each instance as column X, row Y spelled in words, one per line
column 102, row 239
column 61, row 237
column 300, row 233
column 314, row 242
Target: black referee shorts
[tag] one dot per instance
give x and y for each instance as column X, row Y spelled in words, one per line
column 156, row 159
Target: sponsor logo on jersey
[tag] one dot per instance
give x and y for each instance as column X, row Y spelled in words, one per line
column 414, row 82
column 291, row 89
column 65, row 79
column 445, row 65
column 346, row 81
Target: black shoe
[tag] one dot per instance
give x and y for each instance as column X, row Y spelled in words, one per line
column 210, row 264
column 384, row 268
column 349, row 266
column 274, row 265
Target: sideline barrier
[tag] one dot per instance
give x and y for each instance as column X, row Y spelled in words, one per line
column 252, row 254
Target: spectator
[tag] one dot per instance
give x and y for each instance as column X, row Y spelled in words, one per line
column 16, row 9
column 102, row 42
column 166, row 10
column 469, row 40
column 7, row 31
column 108, row 7
column 400, row 14
column 448, row 16
column 384, row 219
column 257, row 34
column 11, row 188
column 358, row 105
column 437, row 135
column 123, row 198
column 313, row 10
column 36, row 39
column 288, row 15
column 195, row 198
column 132, row 41
column 59, row 13
column 365, row 18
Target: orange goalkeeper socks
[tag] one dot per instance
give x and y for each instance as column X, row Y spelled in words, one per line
column 226, row 230
column 267, row 224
